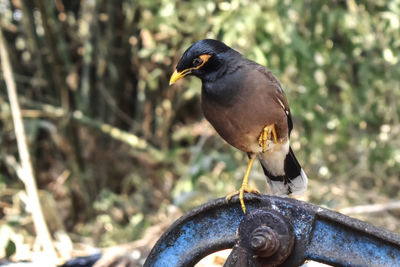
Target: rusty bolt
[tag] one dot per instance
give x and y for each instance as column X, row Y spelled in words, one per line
column 267, row 235
column 264, row 241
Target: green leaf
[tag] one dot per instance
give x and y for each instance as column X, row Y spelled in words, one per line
column 10, row 248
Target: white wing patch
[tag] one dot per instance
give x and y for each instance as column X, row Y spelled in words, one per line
column 283, row 106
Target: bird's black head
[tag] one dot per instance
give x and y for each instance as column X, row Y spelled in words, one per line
column 204, row 57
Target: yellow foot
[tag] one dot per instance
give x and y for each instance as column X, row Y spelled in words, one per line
column 266, row 135
column 240, row 192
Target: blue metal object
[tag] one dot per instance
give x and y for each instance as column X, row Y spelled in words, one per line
column 86, row 261
column 318, row 234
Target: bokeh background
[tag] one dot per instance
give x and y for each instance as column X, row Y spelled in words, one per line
column 115, row 150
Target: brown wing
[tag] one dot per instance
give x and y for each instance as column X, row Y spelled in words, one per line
column 259, row 102
column 279, row 94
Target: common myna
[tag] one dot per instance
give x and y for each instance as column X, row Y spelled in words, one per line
column 246, row 105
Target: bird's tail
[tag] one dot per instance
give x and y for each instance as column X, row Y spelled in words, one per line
column 291, row 179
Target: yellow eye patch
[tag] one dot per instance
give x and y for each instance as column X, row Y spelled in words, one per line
column 179, row 75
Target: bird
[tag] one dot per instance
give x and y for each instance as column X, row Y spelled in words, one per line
column 247, row 106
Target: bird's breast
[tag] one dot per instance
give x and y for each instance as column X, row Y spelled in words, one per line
column 239, row 109
column 235, row 124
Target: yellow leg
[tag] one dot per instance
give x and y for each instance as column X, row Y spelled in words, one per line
column 267, row 133
column 244, row 187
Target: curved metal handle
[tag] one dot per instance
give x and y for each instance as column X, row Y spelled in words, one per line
column 320, row 234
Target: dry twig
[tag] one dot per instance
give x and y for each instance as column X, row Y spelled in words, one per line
column 371, row 208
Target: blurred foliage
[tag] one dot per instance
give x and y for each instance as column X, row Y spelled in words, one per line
column 113, row 146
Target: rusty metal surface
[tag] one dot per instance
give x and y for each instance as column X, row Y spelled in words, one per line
column 266, row 239
column 319, row 234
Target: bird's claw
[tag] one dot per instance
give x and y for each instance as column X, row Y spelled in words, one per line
column 266, row 135
column 240, row 192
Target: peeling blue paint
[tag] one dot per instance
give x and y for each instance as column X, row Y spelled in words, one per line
column 320, row 234
column 332, row 243
column 193, row 234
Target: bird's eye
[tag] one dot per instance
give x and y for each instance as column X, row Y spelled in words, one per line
column 197, row 61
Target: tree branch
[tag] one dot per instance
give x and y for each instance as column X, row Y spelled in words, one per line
column 26, row 172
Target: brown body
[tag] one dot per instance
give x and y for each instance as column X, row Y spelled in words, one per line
column 262, row 104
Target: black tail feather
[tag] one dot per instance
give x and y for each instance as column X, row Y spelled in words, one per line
column 294, row 179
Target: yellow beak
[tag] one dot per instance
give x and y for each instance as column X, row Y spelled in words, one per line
column 178, row 75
